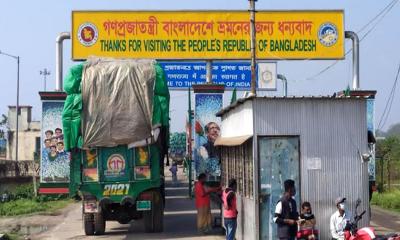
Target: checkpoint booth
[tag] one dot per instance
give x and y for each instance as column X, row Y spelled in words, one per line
column 319, row 142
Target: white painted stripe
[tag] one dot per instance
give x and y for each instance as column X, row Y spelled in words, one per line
column 176, row 188
column 187, row 212
column 176, row 197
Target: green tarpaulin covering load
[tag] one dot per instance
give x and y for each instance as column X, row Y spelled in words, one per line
column 113, row 102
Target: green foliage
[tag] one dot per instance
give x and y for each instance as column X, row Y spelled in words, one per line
column 389, row 200
column 388, row 150
column 26, row 206
column 11, row 236
column 177, row 143
column 3, row 125
column 23, row 191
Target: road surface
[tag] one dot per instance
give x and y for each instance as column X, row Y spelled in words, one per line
column 179, row 221
column 384, row 221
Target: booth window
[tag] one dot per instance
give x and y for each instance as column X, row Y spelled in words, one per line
column 237, row 162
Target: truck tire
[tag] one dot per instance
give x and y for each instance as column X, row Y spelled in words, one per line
column 99, row 224
column 154, row 218
column 88, row 224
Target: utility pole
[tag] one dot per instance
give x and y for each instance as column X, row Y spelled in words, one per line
column 45, row 73
column 17, row 107
column 253, row 46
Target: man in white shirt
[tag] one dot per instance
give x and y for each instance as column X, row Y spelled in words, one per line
column 339, row 219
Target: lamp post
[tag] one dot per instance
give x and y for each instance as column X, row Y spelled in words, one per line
column 45, row 73
column 17, row 107
column 252, row 10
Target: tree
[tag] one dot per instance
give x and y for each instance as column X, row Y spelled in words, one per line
column 389, row 150
column 3, row 130
column 3, row 125
column 177, row 143
column 4, row 120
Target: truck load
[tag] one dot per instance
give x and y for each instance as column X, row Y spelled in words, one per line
column 116, row 126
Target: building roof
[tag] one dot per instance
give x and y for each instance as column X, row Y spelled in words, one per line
column 20, row 106
column 340, row 95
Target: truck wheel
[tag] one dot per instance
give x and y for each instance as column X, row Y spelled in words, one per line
column 88, row 224
column 154, row 218
column 99, row 224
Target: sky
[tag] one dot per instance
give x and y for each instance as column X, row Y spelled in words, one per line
column 29, row 29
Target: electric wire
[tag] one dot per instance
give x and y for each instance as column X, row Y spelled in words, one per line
column 385, row 115
column 373, row 19
column 389, row 102
column 385, row 11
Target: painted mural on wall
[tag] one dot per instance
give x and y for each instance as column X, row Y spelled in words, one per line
column 55, row 160
column 371, row 127
column 279, row 160
column 90, row 172
column 142, row 164
column 207, row 130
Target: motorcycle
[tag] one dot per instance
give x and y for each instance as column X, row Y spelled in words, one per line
column 367, row 233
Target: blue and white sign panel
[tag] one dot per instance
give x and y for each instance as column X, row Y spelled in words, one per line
column 181, row 75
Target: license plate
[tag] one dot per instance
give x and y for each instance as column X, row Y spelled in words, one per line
column 143, row 205
column 90, row 207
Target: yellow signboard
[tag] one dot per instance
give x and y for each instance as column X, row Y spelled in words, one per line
column 207, row 34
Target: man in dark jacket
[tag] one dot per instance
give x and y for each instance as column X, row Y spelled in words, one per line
column 286, row 215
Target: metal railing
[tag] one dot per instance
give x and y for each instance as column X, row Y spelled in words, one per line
column 21, row 168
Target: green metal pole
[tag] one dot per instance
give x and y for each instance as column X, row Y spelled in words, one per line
column 190, row 142
column 382, row 181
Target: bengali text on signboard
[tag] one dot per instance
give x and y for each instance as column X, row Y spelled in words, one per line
column 207, row 34
column 232, row 74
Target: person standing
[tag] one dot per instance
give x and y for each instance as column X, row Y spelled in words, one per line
column 339, row 220
column 202, row 194
column 230, row 209
column 174, row 169
column 286, row 214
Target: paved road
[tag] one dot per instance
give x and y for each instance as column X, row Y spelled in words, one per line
column 384, row 221
column 179, row 221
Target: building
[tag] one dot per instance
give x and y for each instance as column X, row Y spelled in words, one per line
column 28, row 137
column 317, row 141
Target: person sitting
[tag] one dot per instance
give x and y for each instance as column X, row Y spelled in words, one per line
column 339, row 220
column 307, row 223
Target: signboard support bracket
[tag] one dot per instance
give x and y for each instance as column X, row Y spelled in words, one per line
column 356, row 58
column 209, row 72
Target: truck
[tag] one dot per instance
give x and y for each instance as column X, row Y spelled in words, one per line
column 116, row 126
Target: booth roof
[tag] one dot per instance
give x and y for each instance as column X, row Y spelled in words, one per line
column 340, row 95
